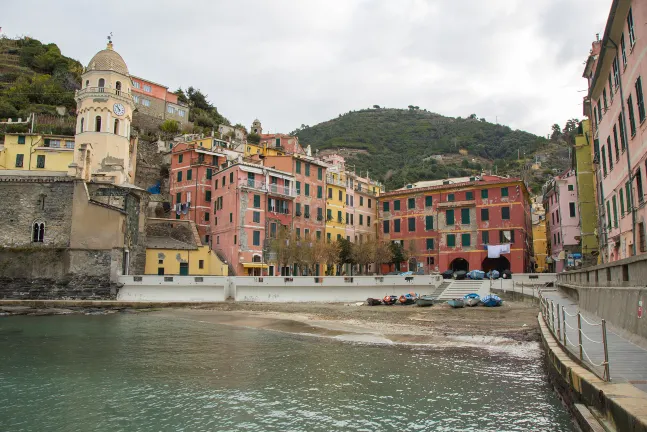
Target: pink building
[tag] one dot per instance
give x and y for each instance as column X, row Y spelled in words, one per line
column 563, row 222
column 251, row 202
column 616, row 71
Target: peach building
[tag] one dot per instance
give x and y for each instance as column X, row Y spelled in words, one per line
column 155, row 100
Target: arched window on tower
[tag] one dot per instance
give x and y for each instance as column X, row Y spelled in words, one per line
column 38, row 232
column 116, row 126
column 102, row 84
column 97, row 124
column 118, row 87
column 82, row 123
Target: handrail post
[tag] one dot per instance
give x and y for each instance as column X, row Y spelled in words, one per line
column 564, row 321
column 559, row 327
column 606, row 351
column 579, row 330
column 552, row 313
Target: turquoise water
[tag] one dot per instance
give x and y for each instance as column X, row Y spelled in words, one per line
column 149, row 373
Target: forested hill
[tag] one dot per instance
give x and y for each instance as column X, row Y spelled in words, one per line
column 401, row 146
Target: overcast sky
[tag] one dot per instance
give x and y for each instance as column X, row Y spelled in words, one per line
column 293, row 62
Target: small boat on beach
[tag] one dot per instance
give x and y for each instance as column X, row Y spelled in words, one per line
column 472, row 299
column 407, row 299
column 389, row 300
column 456, row 303
column 425, row 301
column 491, row 300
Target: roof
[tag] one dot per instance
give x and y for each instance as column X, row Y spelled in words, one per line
column 108, row 60
column 149, row 81
column 168, row 243
column 485, row 180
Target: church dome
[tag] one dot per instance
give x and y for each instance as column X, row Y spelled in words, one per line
column 108, row 60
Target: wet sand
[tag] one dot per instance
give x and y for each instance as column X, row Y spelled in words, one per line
column 512, row 323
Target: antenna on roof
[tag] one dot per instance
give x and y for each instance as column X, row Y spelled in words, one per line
column 110, row 41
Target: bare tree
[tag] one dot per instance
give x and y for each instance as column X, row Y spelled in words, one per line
column 362, row 254
column 318, row 253
column 332, row 257
column 281, row 246
column 381, row 254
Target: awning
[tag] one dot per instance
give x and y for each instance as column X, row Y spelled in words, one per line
column 250, row 169
column 255, row 265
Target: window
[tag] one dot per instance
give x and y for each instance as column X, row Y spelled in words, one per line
column 630, row 25
column 361, row 219
column 484, row 193
column 40, row 161
column 430, row 260
column 595, row 116
column 469, row 196
column 306, row 212
column 319, row 213
column 320, row 192
column 38, row 232
column 571, row 209
column 411, row 203
column 339, row 217
column 180, row 157
column 615, row 212
column 341, row 194
column 485, row 236
column 307, row 192
column 465, row 216
column 19, row 160
column 429, row 222
column 385, row 227
column 622, row 203
column 604, row 97
column 604, row 162
column 136, row 84
column 616, row 74
column 428, row 201
column 147, row 88
column 610, row 87
column 430, row 244
column 329, row 214
column 449, row 217
column 146, row 102
column 608, row 215
column 505, row 213
column 599, row 109
column 632, row 120
column 256, row 238
column 116, row 128
column 412, row 224
column 622, row 131
column 396, row 225
column 189, row 174
column 451, row 240
column 640, row 99
column 97, row 123
column 231, row 177
column 135, row 98
column 396, row 205
column 256, row 217
column 571, row 187
column 298, row 167
column 368, row 221
column 466, row 239
column 485, row 214
column 506, row 236
column 207, row 196
column 170, row 109
column 504, row 192
column 178, row 197
column 206, row 216
column 102, row 83
column 82, row 125
column 369, row 203
column 231, row 217
column 639, row 186
column 307, row 165
column 450, row 197
column 181, row 112
column 610, row 153
column 641, row 237
column 361, row 200
column 623, row 50
column 628, row 194
column 319, row 173
column 329, row 193
column 385, row 206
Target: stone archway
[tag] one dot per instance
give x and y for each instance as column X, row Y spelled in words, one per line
column 500, row 264
column 459, row 264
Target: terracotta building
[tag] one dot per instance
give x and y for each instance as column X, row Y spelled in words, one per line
column 449, row 224
column 156, row 101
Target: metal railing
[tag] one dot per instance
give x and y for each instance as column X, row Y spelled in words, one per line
column 264, row 187
column 331, row 180
column 558, row 323
column 104, row 90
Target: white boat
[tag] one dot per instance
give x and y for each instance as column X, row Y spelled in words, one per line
column 472, row 299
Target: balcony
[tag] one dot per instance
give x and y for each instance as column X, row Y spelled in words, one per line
column 104, row 91
column 452, row 204
column 365, row 191
column 333, row 181
column 272, row 189
column 286, row 191
column 202, row 161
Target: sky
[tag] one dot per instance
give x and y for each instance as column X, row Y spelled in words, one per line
column 291, row 62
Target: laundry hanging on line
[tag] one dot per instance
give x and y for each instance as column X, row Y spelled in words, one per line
column 495, row 251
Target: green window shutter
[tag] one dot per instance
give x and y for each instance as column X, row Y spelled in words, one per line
column 307, row 190
column 484, row 193
column 189, row 174
column 396, row 205
column 385, row 228
column 450, row 197
column 469, row 196
column 179, row 176
column 505, row 213
column 385, row 206
column 298, row 209
column 504, row 192
column 298, row 167
column 329, row 214
column 449, row 217
column 318, row 237
column 608, row 215
column 412, row 203
column 412, row 224
column 320, row 173
column 257, row 238
column 628, row 193
column 319, row 192
column 486, row 237
column 466, row 239
column 307, row 169
column 178, row 197
column 485, row 214
column 21, row 139
column 429, row 222
column 429, row 201
column 430, row 244
column 451, row 240
column 207, row 196
column 257, row 201
column 298, row 188
column 209, row 173
column 622, row 203
column 615, row 212
column 180, row 158
column 396, row 225
column 465, row 216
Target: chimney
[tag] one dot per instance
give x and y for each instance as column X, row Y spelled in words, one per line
column 597, row 37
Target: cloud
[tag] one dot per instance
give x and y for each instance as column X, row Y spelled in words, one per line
column 292, row 62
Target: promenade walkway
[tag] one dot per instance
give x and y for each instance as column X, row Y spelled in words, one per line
column 627, row 361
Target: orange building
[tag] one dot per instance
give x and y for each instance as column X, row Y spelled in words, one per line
column 155, row 100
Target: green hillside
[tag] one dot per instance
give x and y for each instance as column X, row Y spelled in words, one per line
column 398, row 145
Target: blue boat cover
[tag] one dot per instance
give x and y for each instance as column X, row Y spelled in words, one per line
column 491, row 300
column 472, row 295
column 476, row 274
column 494, row 273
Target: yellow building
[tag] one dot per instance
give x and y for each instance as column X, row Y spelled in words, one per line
column 586, row 193
column 335, row 205
column 540, row 244
column 173, row 247
column 36, row 152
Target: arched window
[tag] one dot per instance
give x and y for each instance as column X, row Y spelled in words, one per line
column 97, row 124
column 102, row 84
column 38, row 232
column 116, row 126
column 118, row 87
column 82, row 123
column 256, row 258
column 87, row 83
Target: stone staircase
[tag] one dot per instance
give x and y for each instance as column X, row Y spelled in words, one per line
column 441, row 288
column 459, row 288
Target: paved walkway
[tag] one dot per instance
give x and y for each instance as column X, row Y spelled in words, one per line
column 627, row 361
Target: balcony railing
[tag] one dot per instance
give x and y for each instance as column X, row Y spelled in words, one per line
column 282, row 190
column 331, row 180
column 99, row 91
column 204, row 161
column 264, row 187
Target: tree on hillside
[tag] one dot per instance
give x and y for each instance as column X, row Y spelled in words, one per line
column 557, row 132
column 253, row 138
column 472, row 117
column 170, row 128
column 376, row 106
